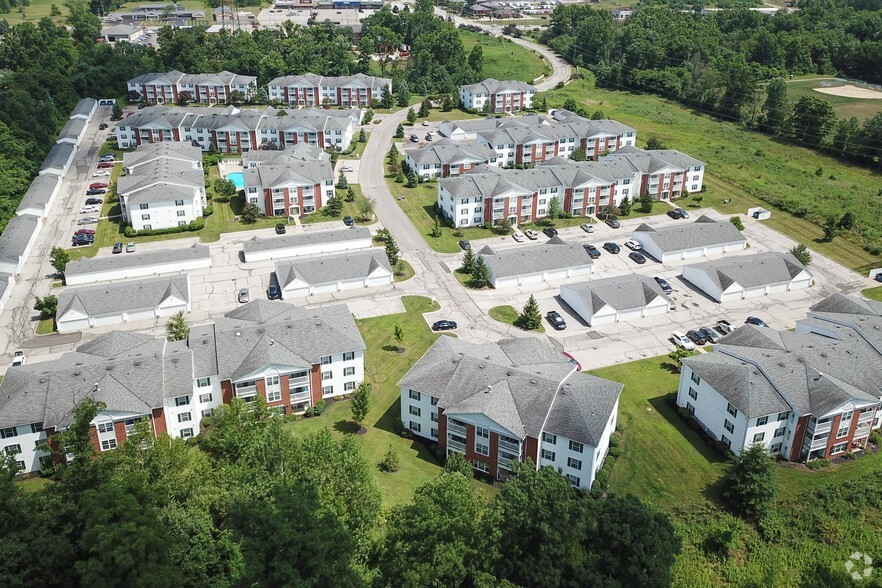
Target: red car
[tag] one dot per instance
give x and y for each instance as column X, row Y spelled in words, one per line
column 105, row 165
column 96, row 185
column 85, row 232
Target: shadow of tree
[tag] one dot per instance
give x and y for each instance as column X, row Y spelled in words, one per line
column 343, row 426
column 671, row 367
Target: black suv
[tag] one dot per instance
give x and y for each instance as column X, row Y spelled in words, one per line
column 550, row 232
column 611, row 247
column 678, row 213
column 281, row 229
column 556, row 320
column 593, row 252
column 697, row 337
column 94, row 191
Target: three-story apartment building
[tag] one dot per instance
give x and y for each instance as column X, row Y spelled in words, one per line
column 208, row 89
column 311, row 90
column 496, row 96
column 290, row 189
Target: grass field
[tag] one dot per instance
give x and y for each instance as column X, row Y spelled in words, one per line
column 40, row 8
column 407, row 274
column 845, row 107
column 349, row 209
column 505, row 60
column 45, row 326
column 873, row 293
column 748, row 167
column 508, row 315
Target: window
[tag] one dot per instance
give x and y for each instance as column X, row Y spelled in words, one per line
column 105, row 427
column 326, row 360
column 181, row 213
column 694, row 377
column 13, row 449
column 434, row 417
column 759, row 437
column 349, row 386
column 779, row 432
column 434, row 432
column 482, row 432
column 184, row 417
column 725, row 441
column 203, row 382
column 349, row 356
column 573, row 480
column 182, row 223
column 186, row 433
column 273, row 395
column 327, row 390
column 843, row 431
column 846, row 416
column 732, row 410
column 574, row 463
column 148, row 227
column 179, row 202
column 182, row 400
column 762, row 421
column 145, row 217
column 205, row 398
column 414, row 395
column 838, row 448
column 434, row 401
column 145, row 206
column 549, row 438
column 481, row 466
column 482, row 449
column 415, row 427
column 207, row 412
column 327, row 375
column 729, row 426
column 350, row 371
column 415, row 410
column 576, row 447
column 693, row 394
column 36, row 427
column 108, row 444
column 549, row 455
column 775, row 448
column 20, row 464
column 690, row 408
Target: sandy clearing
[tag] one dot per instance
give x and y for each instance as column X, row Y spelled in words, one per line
column 850, row 91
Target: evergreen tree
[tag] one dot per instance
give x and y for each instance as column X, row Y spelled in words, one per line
column 399, row 131
column 392, row 250
column 424, row 109
column 468, row 261
column 402, row 94
column 412, row 181
column 801, row 253
column 736, row 222
column 411, row 116
column 530, row 318
column 749, row 484
column 646, row 202
column 625, row 206
column 392, row 156
column 387, row 100
column 176, row 328
column 480, row 273
column 362, row 136
column 448, row 103
column 342, row 182
column 361, row 403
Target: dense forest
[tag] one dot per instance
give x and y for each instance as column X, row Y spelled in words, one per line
column 247, row 503
column 720, row 63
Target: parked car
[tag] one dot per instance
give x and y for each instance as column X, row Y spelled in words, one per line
column 696, row 337
column 443, row 325
column 94, row 185
column 281, row 229
column 611, row 247
column 710, row 334
column 613, row 223
column 142, row 106
column 88, row 209
column 18, row 359
column 348, row 221
column 681, row 340
column 755, row 320
column 425, row 123
column 94, row 191
column 101, row 173
column 550, row 232
column 87, row 220
column 105, row 165
column 117, row 248
column 428, row 137
column 878, row 277
column 85, row 232
column 243, row 296
column 637, row 257
column 465, row 245
column 573, row 361
column 79, row 240
column 345, row 168
column 724, row 327
column 102, row 126
column 663, row 284
column 678, row 213
column 91, row 201
column 593, row 252
column 556, row 320
column 414, row 139
column 587, row 228
column 531, row 234
column 130, row 247
column 519, row 237
column 107, row 157
column 273, row 292
column 633, row 245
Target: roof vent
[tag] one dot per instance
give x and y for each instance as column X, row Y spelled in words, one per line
column 849, row 351
column 43, row 380
column 77, row 373
column 820, row 375
column 533, row 381
column 823, row 355
column 137, row 364
column 238, row 333
column 780, row 364
column 481, row 366
column 489, row 388
column 272, row 342
column 508, row 374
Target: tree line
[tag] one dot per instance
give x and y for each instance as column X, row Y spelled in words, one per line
column 248, row 503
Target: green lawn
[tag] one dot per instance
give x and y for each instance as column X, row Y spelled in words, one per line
column 873, row 293
column 349, row 209
column 465, row 279
column 36, row 10
column 357, row 147
column 747, row 167
column 33, row 484
column 407, row 274
column 438, row 115
column 505, row 60
column 383, row 368
column 845, row 107
column 508, row 315
column 45, row 326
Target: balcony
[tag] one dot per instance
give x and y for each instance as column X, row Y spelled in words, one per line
column 246, row 391
column 299, row 396
column 819, row 443
column 866, row 417
column 510, row 447
column 453, row 428
column 822, row 428
column 456, row 446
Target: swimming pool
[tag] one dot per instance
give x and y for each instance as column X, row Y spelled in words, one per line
column 238, row 178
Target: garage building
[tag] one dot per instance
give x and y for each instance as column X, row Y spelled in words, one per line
column 40, row 196
column 555, row 260
column 311, row 243
column 73, row 131
column 687, row 240
column 16, row 242
column 111, row 304
column 613, row 300
column 748, row 276
column 58, row 159
column 118, row 267
column 334, row 273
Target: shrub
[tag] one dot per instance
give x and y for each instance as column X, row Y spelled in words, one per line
column 817, row 464
column 208, row 210
column 319, row 408
column 615, row 451
column 615, row 439
column 390, row 461
column 873, row 248
column 130, row 231
column 736, row 221
column 197, row 224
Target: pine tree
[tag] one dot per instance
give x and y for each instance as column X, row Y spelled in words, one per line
column 392, row 156
column 424, row 109
column 625, row 206
column 176, row 329
column 480, row 273
column 411, row 116
column 530, row 317
column 646, row 202
column 362, row 136
column 749, row 485
column 412, row 181
column 468, row 262
column 392, row 250
column 399, row 131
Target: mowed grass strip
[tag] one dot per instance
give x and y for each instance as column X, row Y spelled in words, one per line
column 503, row 59
column 508, row 315
column 845, row 107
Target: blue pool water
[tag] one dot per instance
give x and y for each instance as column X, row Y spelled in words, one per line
column 237, row 178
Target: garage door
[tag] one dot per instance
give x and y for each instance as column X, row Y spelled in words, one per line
column 730, row 296
column 142, row 315
column 379, row 281
column 555, row 275
column 602, row 319
column 530, row 279
column 324, row 288
column 296, row 292
column 108, row 319
column 774, row 289
column 352, row 284
column 73, row 325
column 170, row 310
column 714, row 250
column 754, row 292
column 631, row 314
column 796, row 285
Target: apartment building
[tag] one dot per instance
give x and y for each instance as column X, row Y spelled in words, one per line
column 530, row 139
column 232, row 130
column 447, row 158
column 515, row 400
column 289, row 356
column 164, row 188
column 488, row 193
column 290, row 189
column 804, row 395
column 311, row 90
column 496, row 96
column 174, row 86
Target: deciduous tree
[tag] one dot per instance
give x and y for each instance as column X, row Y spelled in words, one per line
column 361, row 403
column 59, row 258
column 801, row 253
column 749, row 485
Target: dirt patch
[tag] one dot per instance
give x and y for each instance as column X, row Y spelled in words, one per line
column 850, row 91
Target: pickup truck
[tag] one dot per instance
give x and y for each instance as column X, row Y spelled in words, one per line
column 724, row 327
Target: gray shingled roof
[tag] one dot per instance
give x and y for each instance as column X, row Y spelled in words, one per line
column 160, row 180
column 620, row 292
column 296, row 152
column 332, row 268
column 164, row 150
column 522, row 397
column 842, row 304
column 305, row 239
column 740, row 383
column 87, row 265
column 296, row 173
column 749, row 271
column 74, row 129
column 122, row 296
column 447, row 152
column 652, row 161
column 16, row 236
column 84, row 107
column 555, row 254
column 40, row 192
column 313, row 80
column 704, row 232
column 492, row 86
column 59, row 156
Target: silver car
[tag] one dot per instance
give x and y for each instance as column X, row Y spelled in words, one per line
column 243, row 296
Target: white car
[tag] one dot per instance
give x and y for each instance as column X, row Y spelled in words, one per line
column 425, row 123
column 18, row 359
column 531, row 234
column 681, row 340
column 345, row 168
column 101, row 174
column 633, row 245
column 518, row 237
column 587, row 228
column 88, row 209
